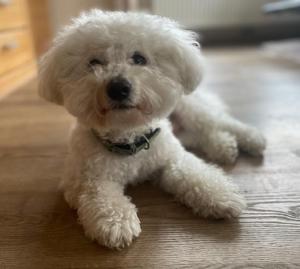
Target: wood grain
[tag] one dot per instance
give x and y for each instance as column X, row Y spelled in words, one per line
column 38, row 229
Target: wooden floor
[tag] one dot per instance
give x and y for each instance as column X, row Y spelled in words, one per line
column 38, row 229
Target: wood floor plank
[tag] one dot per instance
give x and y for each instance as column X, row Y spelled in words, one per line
column 39, row 230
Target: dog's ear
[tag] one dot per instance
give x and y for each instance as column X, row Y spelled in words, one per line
column 190, row 62
column 48, row 85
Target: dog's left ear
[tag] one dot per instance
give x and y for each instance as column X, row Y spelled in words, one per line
column 190, row 63
column 49, row 69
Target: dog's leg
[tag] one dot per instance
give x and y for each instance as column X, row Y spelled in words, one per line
column 217, row 145
column 201, row 186
column 198, row 119
column 249, row 138
column 70, row 184
column 207, row 126
column 107, row 215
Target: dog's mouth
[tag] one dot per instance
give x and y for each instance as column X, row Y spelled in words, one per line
column 119, row 107
column 123, row 107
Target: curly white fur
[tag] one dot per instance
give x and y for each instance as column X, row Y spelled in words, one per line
column 95, row 178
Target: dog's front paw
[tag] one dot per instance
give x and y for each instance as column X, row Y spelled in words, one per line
column 227, row 207
column 253, row 142
column 114, row 227
column 215, row 197
column 118, row 233
column 221, row 200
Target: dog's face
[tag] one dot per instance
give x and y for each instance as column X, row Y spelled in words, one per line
column 120, row 70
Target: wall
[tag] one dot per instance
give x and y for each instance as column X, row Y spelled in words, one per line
column 206, row 14
column 61, row 11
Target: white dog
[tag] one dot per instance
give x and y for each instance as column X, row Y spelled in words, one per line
column 121, row 75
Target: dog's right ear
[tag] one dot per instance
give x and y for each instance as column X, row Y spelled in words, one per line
column 48, row 85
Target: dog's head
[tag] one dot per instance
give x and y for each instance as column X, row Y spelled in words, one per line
column 120, row 70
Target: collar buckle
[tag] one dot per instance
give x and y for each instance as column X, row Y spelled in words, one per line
column 147, row 143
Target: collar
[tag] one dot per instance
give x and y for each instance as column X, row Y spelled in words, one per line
column 140, row 142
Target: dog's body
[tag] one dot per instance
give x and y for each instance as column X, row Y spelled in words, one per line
column 119, row 96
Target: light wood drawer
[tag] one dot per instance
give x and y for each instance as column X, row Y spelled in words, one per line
column 13, row 13
column 15, row 49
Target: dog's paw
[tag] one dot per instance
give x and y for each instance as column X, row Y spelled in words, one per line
column 224, row 149
column 221, row 200
column 118, row 234
column 230, row 206
column 253, row 142
column 113, row 227
column 214, row 197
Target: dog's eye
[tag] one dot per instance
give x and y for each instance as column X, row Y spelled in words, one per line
column 94, row 62
column 138, row 59
column 196, row 44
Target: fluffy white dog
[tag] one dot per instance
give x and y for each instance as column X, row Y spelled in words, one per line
column 122, row 75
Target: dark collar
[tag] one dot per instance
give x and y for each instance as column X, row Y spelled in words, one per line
column 140, row 142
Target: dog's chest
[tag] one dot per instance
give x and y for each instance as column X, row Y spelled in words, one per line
column 117, row 167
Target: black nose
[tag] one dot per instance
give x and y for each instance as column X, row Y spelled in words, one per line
column 118, row 89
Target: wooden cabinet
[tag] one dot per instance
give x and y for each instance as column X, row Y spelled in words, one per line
column 12, row 14
column 17, row 57
column 16, row 49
